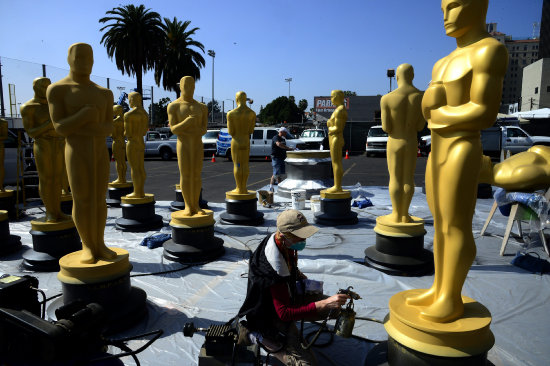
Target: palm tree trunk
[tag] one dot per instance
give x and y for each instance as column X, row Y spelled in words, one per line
column 139, row 81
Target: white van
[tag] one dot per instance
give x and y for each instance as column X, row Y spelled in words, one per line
column 377, row 139
column 260, row 142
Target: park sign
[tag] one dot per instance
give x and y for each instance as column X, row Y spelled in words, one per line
column 324, row 104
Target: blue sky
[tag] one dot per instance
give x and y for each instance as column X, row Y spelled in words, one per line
column 322, row 45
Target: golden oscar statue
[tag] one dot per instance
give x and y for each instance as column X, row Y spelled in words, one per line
column 463, row 98
column 240, row 202
column 82, row 112
column 119, row 187
column 138, row 207
column 55, row 234
column 335, row 201
column 188, row 120
column 399, row 248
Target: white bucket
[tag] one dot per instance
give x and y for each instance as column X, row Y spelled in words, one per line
column 315, row 203
column 298, row 198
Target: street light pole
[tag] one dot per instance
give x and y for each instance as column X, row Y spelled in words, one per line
column 288, row 80
column 213, row 55
column 391, row 74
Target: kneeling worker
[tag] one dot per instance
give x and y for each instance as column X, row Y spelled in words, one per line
column 271, row 305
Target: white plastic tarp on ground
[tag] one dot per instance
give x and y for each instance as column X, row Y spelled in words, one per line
column 213, row 293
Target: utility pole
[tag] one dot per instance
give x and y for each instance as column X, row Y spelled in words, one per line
column 212, row 54
column 288, row 80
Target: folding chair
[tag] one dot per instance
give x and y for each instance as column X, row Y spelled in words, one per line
column 518, row 213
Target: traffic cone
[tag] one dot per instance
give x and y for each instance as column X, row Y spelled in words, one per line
column 419, row 153
column 266, row 158
column 213, row 158
column 347, row 155
column 113, row 157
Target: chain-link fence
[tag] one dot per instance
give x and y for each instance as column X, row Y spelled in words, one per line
column 18, row 75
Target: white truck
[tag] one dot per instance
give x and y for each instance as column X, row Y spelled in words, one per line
column 498, row 138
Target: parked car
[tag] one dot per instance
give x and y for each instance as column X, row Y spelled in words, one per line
column 377, row 140
column 497, row 138
column 260, row 142
column 156, row 146
column 209, row 141
column 311, row 139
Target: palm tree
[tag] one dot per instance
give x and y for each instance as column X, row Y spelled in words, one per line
column 132, row 38
column 178, row 58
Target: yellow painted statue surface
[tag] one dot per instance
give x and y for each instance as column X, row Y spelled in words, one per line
column 335, row 126
column 240, row 124
column 136, row 124
column 462, row 99
column 188, row 120
column 3, row 137
column 48, row 150
column 402, row 119
column 82, row 112
column 119, row 144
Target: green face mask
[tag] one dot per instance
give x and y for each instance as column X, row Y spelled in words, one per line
column 299, row 245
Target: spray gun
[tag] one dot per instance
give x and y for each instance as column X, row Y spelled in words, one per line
column 344, row 322
column 346, row 319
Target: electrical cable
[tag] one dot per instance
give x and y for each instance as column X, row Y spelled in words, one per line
column 119, row 343
column 163, row 272
column 42, row 303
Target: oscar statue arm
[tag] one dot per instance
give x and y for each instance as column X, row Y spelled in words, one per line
column 204, row 119
column 178, row 127
column 252, row 122
column 417, row 110
column 338, row 118
column 489, row 65
column 68, row 125
column 385, row 115
column 104, row 126
column 230, row 127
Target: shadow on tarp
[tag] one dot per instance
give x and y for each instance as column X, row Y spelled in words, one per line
column 168, row 318
column 500, row 268
column 156, row 269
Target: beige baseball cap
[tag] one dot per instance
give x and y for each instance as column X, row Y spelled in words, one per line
column 294, row 222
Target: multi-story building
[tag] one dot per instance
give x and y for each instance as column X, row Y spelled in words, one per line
column 521, row 53
column 535, row 91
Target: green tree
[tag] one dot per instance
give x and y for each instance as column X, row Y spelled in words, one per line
column 280, row 110
column 348, row 93
column 160, row 115
column 132, row 39
column 179, row 55
column 302, row 105
column 217, row 108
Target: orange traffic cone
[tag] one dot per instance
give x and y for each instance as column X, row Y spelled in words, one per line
column 347, row 155
column 213, row 158
column 419, row 153
column 266, row 158
column 113, row 157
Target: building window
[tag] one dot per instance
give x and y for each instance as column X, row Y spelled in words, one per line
column 525, row 48
column 537, row 90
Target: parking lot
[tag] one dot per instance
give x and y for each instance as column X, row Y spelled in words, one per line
column 217, row 177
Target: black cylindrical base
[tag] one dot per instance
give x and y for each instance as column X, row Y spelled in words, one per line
column 400, row 256
column 242, row 212
column 179, row 203
column 49, row 247
column 335, row 212
column 8, row 243
column 139, row 217
column 116, row 193
column 8, row 204
column 392, row 353
column 67, row 207
column 193, row 245
column 124, row 305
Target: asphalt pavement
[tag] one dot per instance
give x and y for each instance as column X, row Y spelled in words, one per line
column 217, row 177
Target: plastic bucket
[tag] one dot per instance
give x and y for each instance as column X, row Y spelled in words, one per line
column 315, row 203
column 298, row 198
